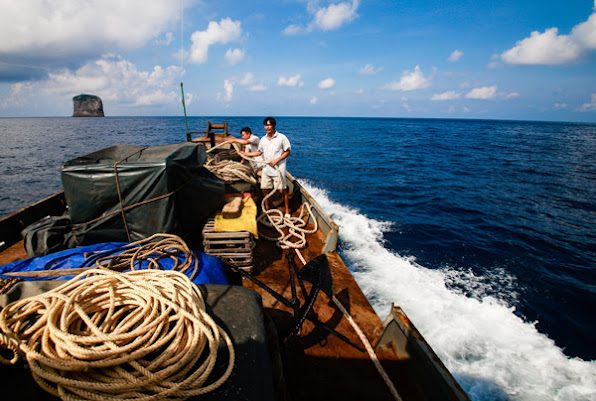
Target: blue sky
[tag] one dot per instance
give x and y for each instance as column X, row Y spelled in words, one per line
column 511, row 59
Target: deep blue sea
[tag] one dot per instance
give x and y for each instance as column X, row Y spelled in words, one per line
column 483, row 231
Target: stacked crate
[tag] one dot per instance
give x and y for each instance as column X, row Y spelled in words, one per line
column 234, row 247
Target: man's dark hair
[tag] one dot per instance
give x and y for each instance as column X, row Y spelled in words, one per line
column 246, row 129
column 269, row 120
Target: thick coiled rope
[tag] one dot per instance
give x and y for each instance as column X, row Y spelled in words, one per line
column 148, row 252
column 295, row 238
column 141, row 335
column 231, row 171
column 295, row 226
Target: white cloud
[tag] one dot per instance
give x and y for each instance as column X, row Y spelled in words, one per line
column 327, row 83
column 41, row 29
column 410, row 80
column 336, row 15
column 223, row 32
column 326, row 18
column 548, row 48
column 228, row 91
column 291, row 81
column 292, row 30
column 370, row 70
column 234, row 56
column 249, row 80
column 455, row 55
column 551, row 48
column 484, row 92
column 589, row 106
column 512, row 95
column 449, row 95
column 115, row 80
column 314, row 100
column 257, row 88
column 560, row 106
column 585, row 33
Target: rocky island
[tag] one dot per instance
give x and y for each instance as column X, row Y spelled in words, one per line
column 87, row 106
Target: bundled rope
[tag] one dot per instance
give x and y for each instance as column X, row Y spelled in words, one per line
column 141, row 335
column 231, row 171
column 295, row 237
column 144, row 254
column 295, row 226
column 148, row 252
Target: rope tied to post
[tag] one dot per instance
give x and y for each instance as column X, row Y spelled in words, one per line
column 141, row 335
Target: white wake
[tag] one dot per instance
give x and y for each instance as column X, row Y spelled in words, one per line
column 493, row 353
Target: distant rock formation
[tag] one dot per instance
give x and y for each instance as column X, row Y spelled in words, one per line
column 87, row 106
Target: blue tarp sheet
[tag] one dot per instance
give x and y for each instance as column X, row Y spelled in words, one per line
column 210, row 269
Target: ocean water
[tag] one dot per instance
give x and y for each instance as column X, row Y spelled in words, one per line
column 484, row 232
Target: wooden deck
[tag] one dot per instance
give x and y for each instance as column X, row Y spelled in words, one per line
column 316, row 364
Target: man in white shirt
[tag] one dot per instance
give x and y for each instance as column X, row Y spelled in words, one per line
column 250, row 141
column 275, row 148
column 247, row 138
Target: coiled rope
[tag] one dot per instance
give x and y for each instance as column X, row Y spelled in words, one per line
column 142, row 335
column 147, row 254
column 144, row 254
column 230, row 171
column 295, row 226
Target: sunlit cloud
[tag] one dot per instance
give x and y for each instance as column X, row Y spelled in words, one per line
column 291, row 81
column 228, row 92
column 327, row 83
column 115, row 80
column 455, row 55
column 67, row 27
column 257, row 88
column 368, row 69
column 327, row 18
column 249, row 81
column 410, row 80
column 55, row 34
column 483, row 93
column 449, row 95
column 292, row 30
column 552, row 48
column 223, row 32
column 591, row 105
column 234, row 56
column 314, row 100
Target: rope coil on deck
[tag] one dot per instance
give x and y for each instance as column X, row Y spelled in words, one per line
column 142, row 335
column 151, row 250
column 296, row 226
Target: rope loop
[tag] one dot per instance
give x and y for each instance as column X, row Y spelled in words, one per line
column 141, row 335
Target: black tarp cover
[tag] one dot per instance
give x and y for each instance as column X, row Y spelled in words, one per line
column 146, row 173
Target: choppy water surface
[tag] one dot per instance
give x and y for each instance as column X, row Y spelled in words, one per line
column 483, row 231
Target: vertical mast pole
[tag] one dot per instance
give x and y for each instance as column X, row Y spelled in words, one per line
column 185, row 119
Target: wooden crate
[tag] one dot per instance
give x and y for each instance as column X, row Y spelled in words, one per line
column 234, row 247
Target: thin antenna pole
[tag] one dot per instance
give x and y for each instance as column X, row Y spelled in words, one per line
column 184, row 107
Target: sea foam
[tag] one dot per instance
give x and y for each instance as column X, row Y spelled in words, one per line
column 493, row 353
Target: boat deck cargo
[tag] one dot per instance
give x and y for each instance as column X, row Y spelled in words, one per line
column 300, row 326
